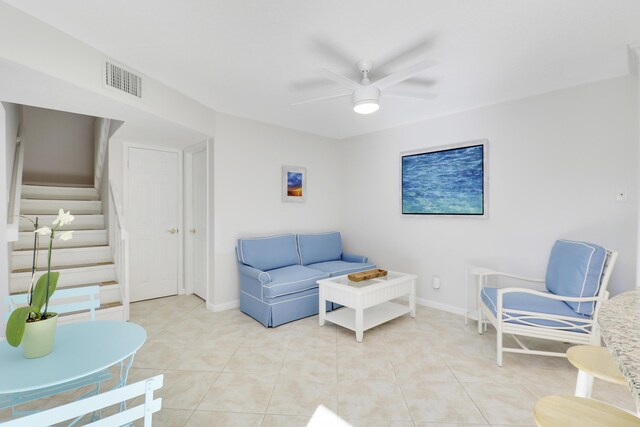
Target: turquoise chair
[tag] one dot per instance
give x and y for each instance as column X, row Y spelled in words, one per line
column 77, row 410
column 63, row 301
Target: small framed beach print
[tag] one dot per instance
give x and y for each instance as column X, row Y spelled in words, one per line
column 294, row 184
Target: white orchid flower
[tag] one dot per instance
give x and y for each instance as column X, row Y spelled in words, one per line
column 44, row 231
column 63, row 218
column 65, row 235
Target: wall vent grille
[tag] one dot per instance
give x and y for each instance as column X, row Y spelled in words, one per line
column 121, row 79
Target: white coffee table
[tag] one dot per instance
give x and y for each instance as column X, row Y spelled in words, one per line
column 368, row 303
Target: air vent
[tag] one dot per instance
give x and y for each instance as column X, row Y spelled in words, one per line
column 121, row 79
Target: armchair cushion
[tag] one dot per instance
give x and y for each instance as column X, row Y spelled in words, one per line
column 322, row 247
column 268, row 253
column 338, row 268
column 531, row 303
column 292, row 279
column 575, row 270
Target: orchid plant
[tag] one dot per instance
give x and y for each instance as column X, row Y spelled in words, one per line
column 40, row 291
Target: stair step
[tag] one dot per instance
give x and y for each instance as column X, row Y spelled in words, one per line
column 51, row 207
column 59, row 193
column 63, row 256
column 81, row 222
column 74, row 275
column 42, row 268
column 81, row 238
column 109, row 293
column 109, row 311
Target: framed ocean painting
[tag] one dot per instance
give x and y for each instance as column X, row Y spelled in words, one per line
column 450, row 180
column 294, row 184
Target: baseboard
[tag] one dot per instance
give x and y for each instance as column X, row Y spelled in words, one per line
column 419, row 301
column 222, row 307
column 445, row 307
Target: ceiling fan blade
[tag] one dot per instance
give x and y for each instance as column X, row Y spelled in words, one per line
column 409, row 94
column 408, row 54
column 331, row 51
column 311, row 83
column 402, row 75
column 324, row 98
column 418, row 82
column 338, row 78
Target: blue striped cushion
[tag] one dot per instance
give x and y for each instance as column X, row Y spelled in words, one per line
column 575, row 270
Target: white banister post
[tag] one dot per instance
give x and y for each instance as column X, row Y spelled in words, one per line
column 4, row 253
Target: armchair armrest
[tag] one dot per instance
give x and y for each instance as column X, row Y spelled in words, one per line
column 482, row 276
column 509, row 275
column 354, row 258
column 260, row 275
column 546, row 295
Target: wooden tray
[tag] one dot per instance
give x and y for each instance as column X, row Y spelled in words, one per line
column 367, row 275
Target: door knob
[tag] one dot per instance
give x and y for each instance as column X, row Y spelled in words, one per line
column 193, row 231
column 172, row 231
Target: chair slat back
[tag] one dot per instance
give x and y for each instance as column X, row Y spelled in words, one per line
column 77, row 299
column 95, row 403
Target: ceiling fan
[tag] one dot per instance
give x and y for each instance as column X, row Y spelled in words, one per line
column 366, row 93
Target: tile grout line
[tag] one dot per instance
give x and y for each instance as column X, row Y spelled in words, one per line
column 264, row 417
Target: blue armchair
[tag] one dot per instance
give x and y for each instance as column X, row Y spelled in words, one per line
column 564, row 308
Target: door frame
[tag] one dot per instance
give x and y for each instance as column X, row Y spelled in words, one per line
column 188, row 194
column 180, row 202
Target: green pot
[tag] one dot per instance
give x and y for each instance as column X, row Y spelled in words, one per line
column 39, row 337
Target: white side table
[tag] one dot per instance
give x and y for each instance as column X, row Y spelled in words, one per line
column 475, row 273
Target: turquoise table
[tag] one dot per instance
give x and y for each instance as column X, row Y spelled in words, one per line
column 81, row 349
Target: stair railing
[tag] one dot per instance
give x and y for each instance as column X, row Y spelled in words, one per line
column 119, row 248
column 13, row 216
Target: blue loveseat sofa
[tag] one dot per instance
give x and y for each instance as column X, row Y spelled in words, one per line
column 279, row 274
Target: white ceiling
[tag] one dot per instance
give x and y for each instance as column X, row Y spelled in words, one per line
column 253, row 58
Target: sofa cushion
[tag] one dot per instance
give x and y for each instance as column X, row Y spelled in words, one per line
column 295, row 278
column 268, row 253
column 320, row 247
column 532, row 303
column 575, row 270
column 339, row 268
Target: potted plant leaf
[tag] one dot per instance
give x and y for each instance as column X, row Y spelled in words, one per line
column 33, row 325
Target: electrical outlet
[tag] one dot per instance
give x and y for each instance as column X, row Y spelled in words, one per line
column 621, row 195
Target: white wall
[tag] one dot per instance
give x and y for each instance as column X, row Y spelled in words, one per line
column 59, row 147
column 247, row 159
column 39, row 46
column 555, row 162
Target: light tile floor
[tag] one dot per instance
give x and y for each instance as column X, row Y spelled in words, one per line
column 226, row 369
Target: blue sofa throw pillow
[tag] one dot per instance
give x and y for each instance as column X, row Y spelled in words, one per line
column 268, row 253
column 575, row 270
column 319, row 247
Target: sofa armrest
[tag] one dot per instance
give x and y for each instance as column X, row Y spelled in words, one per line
column 260, row 275
column 354, row 258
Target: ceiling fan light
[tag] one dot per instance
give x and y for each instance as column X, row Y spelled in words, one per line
column 366, row 106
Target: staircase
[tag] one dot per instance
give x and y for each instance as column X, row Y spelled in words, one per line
column 86, row 259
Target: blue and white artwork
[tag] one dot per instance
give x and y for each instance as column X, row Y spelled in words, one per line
column 444, row 182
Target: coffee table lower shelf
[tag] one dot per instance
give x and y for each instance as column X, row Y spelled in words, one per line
column 373, row 316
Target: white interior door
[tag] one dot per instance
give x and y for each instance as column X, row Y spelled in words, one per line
column 197, row 237
column 152, row 215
